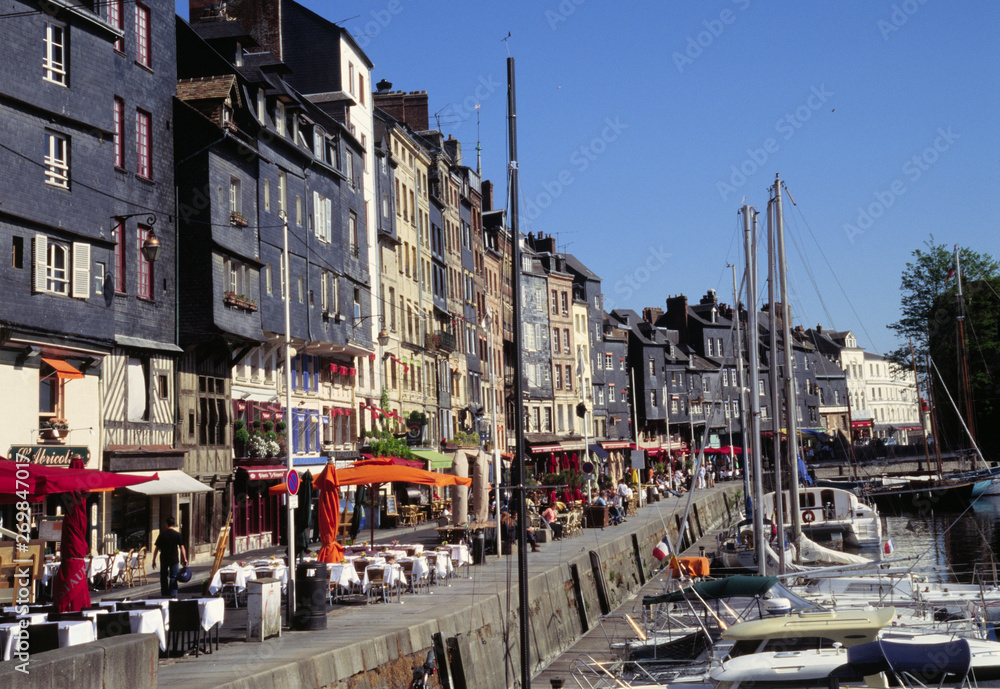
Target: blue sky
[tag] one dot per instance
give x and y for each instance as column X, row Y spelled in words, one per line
column 641, row 131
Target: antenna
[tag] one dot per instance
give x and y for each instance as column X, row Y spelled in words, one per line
column 479, row 148
column 437, row 118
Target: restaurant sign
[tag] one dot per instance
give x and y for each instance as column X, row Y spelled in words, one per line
column 49, row 455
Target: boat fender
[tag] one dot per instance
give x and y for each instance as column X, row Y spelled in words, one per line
column 808, row 517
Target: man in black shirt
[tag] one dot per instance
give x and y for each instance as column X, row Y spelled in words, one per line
column 169, row 541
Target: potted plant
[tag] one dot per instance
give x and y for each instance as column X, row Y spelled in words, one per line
column 54, row 428
column 241, row 436
column 237, row 219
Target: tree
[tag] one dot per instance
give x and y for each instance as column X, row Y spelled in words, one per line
column 928, row 294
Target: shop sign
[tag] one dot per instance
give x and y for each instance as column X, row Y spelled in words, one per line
column 49, row 455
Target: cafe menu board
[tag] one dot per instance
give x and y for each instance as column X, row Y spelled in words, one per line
column 390, row 506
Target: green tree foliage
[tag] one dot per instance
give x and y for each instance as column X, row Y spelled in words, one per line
column 929, row 311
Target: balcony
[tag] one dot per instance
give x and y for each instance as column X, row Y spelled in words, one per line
column 441, row 340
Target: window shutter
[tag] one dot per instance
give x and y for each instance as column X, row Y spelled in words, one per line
column 306, row 370
column 81, row 270
column 294, row 416
column 315, row 363
column 41, row 262
column 328, row 219
column 317, row 210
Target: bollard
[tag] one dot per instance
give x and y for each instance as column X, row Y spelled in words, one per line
column 479, row 548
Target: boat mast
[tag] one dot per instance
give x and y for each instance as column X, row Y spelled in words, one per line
column 916, row 382
column 934, row 427
column 963, row 364
column 790, row 396
column 522, row 513
column 753, row 355
column 772, row 270
column 741, row 377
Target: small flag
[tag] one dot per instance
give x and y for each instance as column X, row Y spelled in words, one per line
column 662, row 549
column 951, row 274
column 888, row 548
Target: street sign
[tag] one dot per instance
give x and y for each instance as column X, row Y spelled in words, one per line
column 588, row 467
column 292, row 482
column 293, row 501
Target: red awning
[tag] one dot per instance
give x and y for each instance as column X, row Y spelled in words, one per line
column 63, row 370
column 616, row 445
column 265, row 473
column 545, row 448
column 861, row 424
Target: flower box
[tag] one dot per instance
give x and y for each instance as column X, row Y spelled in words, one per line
column 238, row 219
column 239, row 301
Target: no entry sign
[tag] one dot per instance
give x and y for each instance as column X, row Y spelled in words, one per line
column 292, row 482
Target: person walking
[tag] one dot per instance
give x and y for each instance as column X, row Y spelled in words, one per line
column 624, row 493
column 171, row 544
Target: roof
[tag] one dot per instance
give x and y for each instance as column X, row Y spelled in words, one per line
column 207, row 88
column 224, row 29
column 577, row 266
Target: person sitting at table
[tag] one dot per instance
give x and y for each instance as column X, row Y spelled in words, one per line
column 614, row 508
column 510, row 530
column 170, row 542
column 599, row 500
column 552, row 519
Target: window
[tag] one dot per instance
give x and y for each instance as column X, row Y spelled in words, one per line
column 235, row 196
column 282, row 191
column 54, row 62
column 558, row 376
column 361, row 88
column 569, row 377
column 267, row 279
column 143, row 145
column 673, row 405
column 555, row 302
column 652, row 368
column 322, row 217
column 144, row 278
column 718, row 346
column 115, row 15
column 142, row 36
column 119, row 140
column 59, row 266
column 17, row 252
column 711, row 347
column 565, row 303
column 212, row 417
column 760, row 388
column 302, row 290
column 652, row 398
column 705, row 384
column 555, row 340
column 352, row 228
column 119, row 256
column 609, row 362
column 298, row 209
column 57, row 269
column 99, row 271
column 763, row 413
column 279, row 117
column 548, row 419
column 57, row 160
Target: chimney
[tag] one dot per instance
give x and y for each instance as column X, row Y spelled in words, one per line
column 409, row 108
column 709, row 297
column 384, row 86
column 487, row 191
column 677, row 316
column 819, row 328
column 454, row 148
column 651, row 314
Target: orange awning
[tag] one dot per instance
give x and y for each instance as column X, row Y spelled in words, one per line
column 63, row 370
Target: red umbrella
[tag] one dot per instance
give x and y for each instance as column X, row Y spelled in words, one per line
column 69, row 587
column 369, row 472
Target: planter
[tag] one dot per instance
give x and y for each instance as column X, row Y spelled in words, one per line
column 237, row 220
column 239, row 302
column 53, row 435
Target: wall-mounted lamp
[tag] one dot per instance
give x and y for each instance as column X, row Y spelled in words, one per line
column 150, row 248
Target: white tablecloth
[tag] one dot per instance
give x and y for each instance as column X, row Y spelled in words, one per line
column 243, row 575
column 74, row 632
column 393, row 575
column 261, row 567
column 164, row 603
column 442, row 563
column 212, row 611
column 421, row 570
column 100, row 563
column 8, row 637
column 33, row 617
column 460, row 553
column 149, row 622
column 343, row 574
column 48, row 571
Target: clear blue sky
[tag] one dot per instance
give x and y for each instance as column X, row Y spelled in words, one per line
column 634, row 117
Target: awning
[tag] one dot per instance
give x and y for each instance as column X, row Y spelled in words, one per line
column 435, row 460
column 170, row 481
column 265, row 473
column 535, row 449
column 63, row 370
column 861, row 424
column 599, row 451
column 616, row 444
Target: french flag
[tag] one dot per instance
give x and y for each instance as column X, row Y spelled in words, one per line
column 662, row 549
column 888, row 548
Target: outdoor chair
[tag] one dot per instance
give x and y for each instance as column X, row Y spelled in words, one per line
column 228, row 588
column 107, row 575
column 125, row 575
column 413, row 583
column 64, row 616
column 43, row 637
column 113, row 624
column 185, row 624
column 377, row 586
column 137, row 568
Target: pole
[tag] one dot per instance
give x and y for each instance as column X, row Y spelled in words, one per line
column 923, row 431
column 792, row 406
column 753, row 354
column 934, row 428
column 772, row 269
column 962, row 360
column 737, row 350
column 494, row 431
column 586, row 430
column 522, row 516
column 289, row 515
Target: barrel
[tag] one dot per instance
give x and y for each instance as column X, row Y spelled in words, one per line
column 312, row 589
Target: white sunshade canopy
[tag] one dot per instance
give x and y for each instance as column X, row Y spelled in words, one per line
column 170, row 481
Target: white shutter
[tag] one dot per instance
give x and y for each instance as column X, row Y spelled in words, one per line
column 41, row 263
column 317, row 210
column 328, row 219
column 81, row 270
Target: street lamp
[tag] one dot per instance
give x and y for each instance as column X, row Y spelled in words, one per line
column 150, row 248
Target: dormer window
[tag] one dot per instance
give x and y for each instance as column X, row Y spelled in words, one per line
column 261, row 109
column 279, row 117
column 318, row 141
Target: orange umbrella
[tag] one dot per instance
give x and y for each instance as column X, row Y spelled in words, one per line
column 330, row 480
